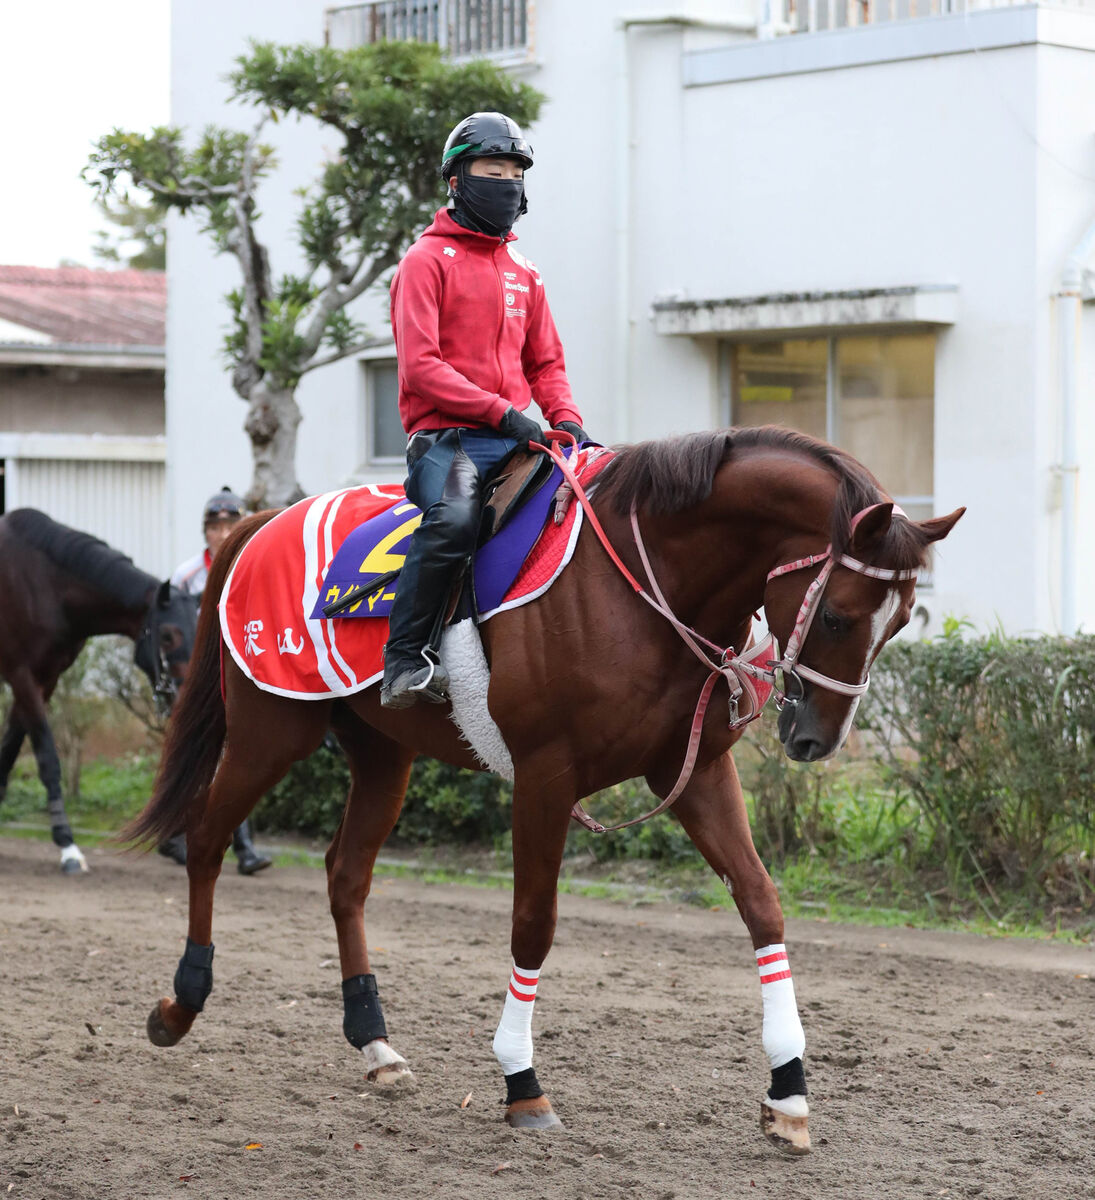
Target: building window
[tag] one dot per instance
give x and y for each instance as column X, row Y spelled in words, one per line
column 384, row 437
column 464, row 29
column 872, row 396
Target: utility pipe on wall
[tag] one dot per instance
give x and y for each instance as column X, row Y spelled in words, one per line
column 1069, row 300
column 624, row 137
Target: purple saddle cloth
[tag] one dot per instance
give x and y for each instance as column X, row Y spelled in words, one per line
column 380, row 544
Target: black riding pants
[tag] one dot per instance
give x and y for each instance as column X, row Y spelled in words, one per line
column 447, row 471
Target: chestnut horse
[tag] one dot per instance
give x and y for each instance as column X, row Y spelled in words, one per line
column 589, row 687
column 58, row 587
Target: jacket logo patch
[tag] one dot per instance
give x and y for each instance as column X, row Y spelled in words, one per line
column 449, row 251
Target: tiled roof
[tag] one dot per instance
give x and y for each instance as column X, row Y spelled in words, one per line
column 74, row 305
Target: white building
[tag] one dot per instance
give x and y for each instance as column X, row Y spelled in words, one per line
column 876, row 227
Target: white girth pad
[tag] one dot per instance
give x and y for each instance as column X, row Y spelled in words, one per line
column 469, row 679
column 782, row 1031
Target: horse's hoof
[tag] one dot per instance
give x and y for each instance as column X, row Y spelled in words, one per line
column 532, row 1114
column 160, row 1032
column 393, row 1079
column 784, row 1124
column 387, row 1069
column 72, row 860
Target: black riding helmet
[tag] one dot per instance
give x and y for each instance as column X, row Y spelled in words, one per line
column 484, row 135
column 224, row 503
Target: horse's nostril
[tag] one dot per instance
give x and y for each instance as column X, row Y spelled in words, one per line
column 804, row 749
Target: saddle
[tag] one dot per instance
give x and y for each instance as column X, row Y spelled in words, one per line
column 361, row 592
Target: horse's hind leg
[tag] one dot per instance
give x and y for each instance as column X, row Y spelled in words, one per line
column 259, row 749
column 712, row 811
column 10, row 744
column 379, row 770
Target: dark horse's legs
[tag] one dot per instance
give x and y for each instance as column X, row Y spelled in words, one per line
column 28, row 716
column 380, row 770
column 10, row 744
column 257, row 754
column 712, row 811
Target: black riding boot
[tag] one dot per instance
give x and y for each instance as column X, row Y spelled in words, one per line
column 412, row 658
column 248, row 859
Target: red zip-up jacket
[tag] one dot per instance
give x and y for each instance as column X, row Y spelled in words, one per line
column 473, row 333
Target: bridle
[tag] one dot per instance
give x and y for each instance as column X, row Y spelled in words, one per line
column 154, row 661
column 757, row 672
column 788, row 667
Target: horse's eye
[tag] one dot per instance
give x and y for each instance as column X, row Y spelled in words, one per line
column 832, row 622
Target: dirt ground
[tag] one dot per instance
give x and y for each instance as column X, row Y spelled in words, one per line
column 938, row 1064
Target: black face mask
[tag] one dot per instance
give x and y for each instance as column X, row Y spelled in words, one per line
column 489, row 205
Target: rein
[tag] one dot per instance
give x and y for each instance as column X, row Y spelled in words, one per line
column 750, row 675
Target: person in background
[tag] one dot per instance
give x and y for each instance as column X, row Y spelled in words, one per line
column 222, row 511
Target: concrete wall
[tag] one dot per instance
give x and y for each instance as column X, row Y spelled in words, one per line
column 946, row 166
column 73, row 400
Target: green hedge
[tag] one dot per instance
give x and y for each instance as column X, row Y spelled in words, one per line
column 973, row 762
column 994, row 740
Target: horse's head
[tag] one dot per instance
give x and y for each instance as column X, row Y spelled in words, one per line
column 856, row 599
column 167, row 640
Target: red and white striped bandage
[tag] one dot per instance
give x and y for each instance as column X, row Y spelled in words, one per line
column 513, row 1039
column 782, row 1032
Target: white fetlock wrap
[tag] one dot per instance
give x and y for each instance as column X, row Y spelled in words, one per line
column 783, row 1035
column 73, row 853
column 379, row 1054
column 513, row 1040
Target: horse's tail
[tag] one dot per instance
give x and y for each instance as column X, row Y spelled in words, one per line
column 196, row 731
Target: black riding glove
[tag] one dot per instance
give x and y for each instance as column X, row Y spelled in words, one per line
column 516, row 425
column 575, row 430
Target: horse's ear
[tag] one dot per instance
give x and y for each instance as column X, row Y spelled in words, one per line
column 870, row 525
column 938, row 527
column 163, row 594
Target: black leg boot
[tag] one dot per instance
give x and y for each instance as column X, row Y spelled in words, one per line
column 248, row 859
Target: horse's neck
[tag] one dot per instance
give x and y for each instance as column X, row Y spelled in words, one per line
column 91, row 613
column 719, row 553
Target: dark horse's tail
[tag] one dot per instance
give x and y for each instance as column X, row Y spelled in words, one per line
column 196, row 731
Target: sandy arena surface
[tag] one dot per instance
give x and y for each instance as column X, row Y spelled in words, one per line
column 939, row 1064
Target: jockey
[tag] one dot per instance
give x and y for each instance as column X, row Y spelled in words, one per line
column 221, row 513
column 475, row 343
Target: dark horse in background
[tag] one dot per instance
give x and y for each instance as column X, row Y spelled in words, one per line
column 589, row 686
column 59, row 587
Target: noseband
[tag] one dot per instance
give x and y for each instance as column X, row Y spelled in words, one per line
column 751, row 676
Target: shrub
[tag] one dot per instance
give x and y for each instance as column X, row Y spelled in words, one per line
column 993, row 737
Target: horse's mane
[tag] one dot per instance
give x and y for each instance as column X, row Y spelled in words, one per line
column 86, row 558
column 674, row 474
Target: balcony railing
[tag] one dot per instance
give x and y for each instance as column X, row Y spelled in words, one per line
column 464, row 29
column 812, row 16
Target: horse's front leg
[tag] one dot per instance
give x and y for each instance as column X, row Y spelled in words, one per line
column 541, row 813
column 29, row 716
column 712, row 811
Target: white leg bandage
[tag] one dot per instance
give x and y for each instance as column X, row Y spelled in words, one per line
column 782, row 1031
column 513, row 1041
